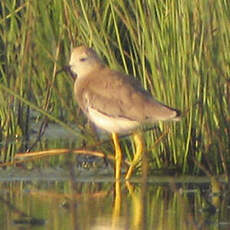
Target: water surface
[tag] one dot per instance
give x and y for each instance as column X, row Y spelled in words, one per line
column 37, row 201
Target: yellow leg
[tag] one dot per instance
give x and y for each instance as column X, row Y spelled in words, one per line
column 139, row 143
column 117, row 200
column 118, row 157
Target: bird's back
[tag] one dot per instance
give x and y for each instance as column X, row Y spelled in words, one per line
column 119, row 95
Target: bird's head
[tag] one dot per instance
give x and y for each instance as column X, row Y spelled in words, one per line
column 83, row 61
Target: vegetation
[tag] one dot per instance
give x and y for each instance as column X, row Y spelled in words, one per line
column 179, row 50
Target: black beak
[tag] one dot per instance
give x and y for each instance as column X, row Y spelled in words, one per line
column 68, row 70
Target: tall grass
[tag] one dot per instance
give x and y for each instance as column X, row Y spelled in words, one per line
column 179, row 50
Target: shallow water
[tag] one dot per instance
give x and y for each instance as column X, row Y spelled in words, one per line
column 36, row 200
column 54, row 194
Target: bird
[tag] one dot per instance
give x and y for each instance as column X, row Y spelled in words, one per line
column 115, row 102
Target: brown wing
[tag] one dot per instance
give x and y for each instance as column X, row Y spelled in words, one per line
column 118, row 95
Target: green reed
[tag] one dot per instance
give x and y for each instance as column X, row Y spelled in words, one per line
column 177, row 49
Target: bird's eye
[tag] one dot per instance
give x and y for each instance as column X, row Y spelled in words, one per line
column 82, row 59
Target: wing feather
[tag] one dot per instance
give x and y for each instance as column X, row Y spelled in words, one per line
column 118, row 95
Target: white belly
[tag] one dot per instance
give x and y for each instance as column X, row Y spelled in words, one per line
column 110, row 124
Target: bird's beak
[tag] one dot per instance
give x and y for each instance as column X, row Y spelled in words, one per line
column 67, row 69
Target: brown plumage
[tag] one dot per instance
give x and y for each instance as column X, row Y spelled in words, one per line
column 113, row 94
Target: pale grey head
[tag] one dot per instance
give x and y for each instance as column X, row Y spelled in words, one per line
column 83, row 61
